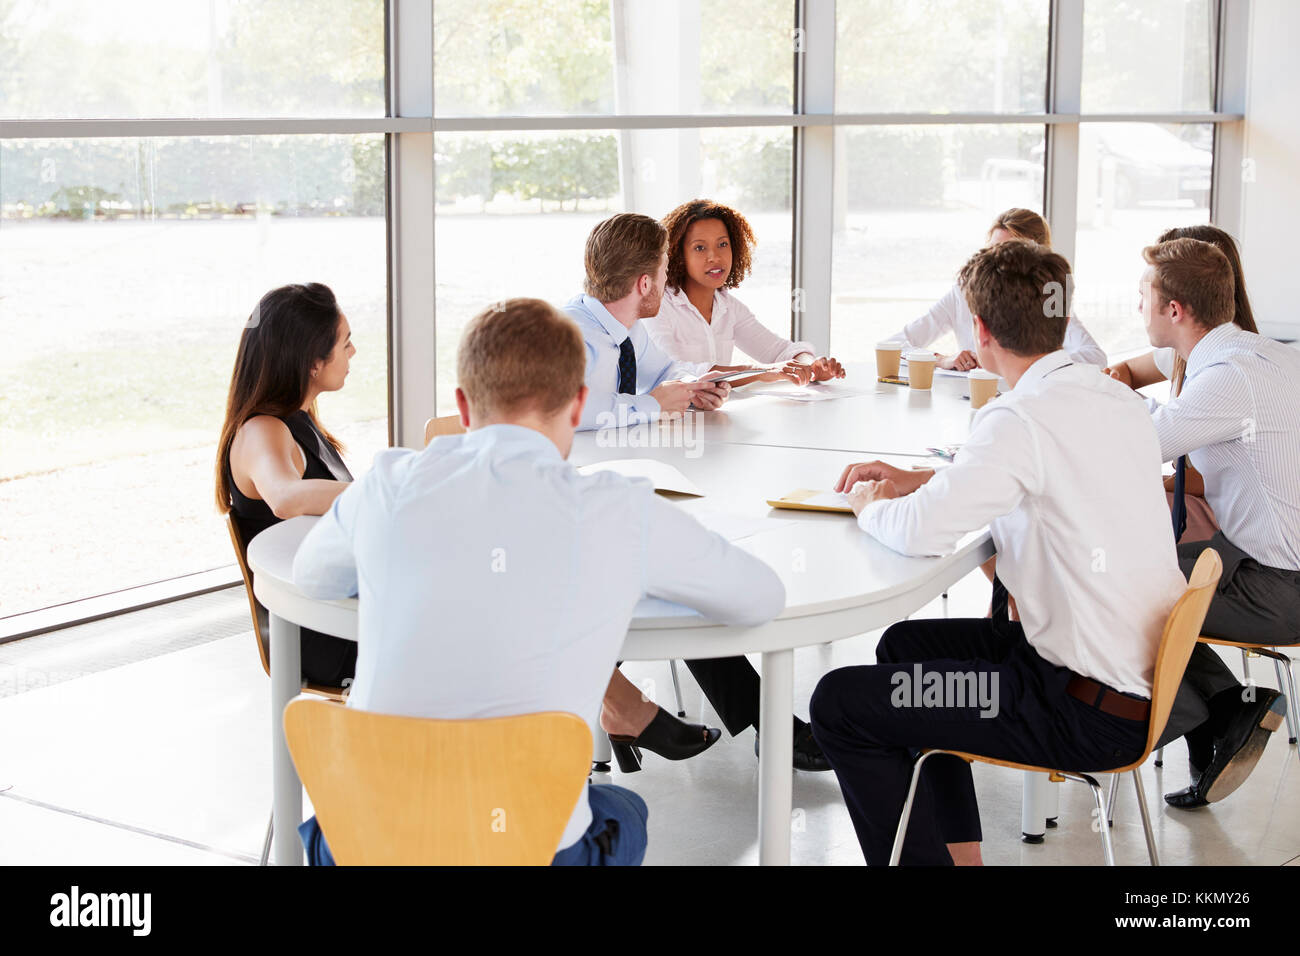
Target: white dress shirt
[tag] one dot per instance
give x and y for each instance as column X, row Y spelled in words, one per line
column 494, row 579
column 604, row 335
column 1065, row 471
column 1238, row 421
column 682, row 332
column 952, row 314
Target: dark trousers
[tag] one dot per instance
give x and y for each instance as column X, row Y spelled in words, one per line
column 870, row 722
column 732, row 686
column 1253, row 603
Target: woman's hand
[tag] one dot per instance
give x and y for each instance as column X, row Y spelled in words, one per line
column 826, row 368
column 1120, row 373
column 963, row 361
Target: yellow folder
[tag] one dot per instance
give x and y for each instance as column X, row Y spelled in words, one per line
column 810, row 499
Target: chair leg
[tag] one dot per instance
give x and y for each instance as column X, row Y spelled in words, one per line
column 1100, row 800
column 1146, row 815
column 677, row 687
column 1294, row 702
column 897, row 852
column 1245, row 666
column 1110, row 801
column 1284, row 685
column 266, row 841
column 1160, row 757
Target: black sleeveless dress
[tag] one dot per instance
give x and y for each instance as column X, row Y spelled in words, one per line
column 325, row 659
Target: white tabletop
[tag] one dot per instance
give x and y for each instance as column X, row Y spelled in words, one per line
column 880, row 418
column 825, row 562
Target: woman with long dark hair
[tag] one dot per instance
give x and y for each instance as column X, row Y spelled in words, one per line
column 274, row 459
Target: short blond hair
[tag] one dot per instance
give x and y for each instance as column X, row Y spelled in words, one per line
column 1024, row 224
column 520, row 355
column 1196, row 275
column 621, row 250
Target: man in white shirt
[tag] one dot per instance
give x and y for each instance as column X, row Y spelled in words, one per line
column 1235, row 420
column 632, row 381
column 482, row 563
column 1064, row 470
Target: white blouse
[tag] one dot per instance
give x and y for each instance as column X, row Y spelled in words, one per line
column 686, row 336
column 952, row 314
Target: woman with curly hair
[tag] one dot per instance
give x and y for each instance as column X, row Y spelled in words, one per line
column 709, row 253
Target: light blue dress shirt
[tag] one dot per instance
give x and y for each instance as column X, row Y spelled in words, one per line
column 494, row 579
column 604, row 335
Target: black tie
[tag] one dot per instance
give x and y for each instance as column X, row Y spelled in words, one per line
column 1180, row 502
column 627, row 367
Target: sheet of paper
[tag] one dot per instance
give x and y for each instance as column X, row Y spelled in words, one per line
column 662, row 475
column 821, row 392
column 828, row 499
column 735, row 527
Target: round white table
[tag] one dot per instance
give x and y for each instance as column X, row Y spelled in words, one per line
column 839, row 582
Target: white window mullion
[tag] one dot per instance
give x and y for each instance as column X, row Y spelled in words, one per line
column 1064, row 95
column 814, row 168
column 1231, row 70
column 412, row 327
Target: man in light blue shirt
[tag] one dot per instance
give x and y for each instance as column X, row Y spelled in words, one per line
column 484, row 563
column 630, row 379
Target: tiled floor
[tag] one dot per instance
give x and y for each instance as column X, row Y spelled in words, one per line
column 116, row 756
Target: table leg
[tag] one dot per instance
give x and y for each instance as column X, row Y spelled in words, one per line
column 775, row 756
column 1034, row 800
column 286, row 788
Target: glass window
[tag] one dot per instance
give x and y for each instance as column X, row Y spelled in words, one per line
column 1135, row 181
column 514, row 211
column 941, row 56
column 520, row 57
column 191, row 58
column 911, row 206
column 128, row 268
column 1148, row 56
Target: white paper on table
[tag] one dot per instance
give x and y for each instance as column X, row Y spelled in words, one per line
column 735, row 527
column 821, row 392
column 662, row 475
column 828, row 499
column 945, row 372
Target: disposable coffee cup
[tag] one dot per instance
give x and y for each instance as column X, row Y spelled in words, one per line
column 983, row 387
column 920, row 368
column 887, row 357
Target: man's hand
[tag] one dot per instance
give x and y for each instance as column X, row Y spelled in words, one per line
column 676, row 396
column 903, row 482
column 708, row 397
column 826, row 368
column 1120, row 373
column 963, row 361
column 865, row 492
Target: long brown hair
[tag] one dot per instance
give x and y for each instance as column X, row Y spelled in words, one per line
column 292, row 328
column 1244, row 316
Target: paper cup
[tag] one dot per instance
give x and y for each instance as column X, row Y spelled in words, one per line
column 983, row 387
column 887, row 357
column 920, row 368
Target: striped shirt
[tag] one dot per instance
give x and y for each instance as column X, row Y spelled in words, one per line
column 1238, row 421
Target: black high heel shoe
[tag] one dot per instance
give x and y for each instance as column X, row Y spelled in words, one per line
column 666, row 736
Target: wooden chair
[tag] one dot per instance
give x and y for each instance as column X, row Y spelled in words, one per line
column 411, row 791
column 261, row 632
column 1176, row 643
column 450, row 425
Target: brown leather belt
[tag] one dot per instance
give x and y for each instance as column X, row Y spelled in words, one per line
column 1108, row 701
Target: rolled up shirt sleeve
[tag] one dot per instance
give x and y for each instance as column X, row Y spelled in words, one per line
column 991, row 475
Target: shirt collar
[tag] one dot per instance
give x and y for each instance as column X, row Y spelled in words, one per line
column 512, row 436
column 616, row 329
column 1204, row 351
column 719, row 302
column 1043, row 367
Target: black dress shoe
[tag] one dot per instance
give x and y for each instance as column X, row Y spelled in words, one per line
column 807, row 755
column 1242, row 744
column 666, row 736
column 1188, row 799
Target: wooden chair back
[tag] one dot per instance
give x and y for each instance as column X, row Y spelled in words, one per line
column 261, row 619
column 446, row 425
column 393, row 791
